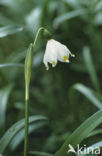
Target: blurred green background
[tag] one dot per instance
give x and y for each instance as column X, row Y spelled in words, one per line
column 67, row 94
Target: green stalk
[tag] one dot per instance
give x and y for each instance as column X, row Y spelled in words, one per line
column 26, row 128
column 28, row 66
column 46, row 33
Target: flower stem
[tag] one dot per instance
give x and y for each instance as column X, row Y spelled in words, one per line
column 36, row 37
column 28, row 65
column 26, row 127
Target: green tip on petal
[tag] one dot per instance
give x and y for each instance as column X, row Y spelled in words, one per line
column 72, row 55
column 65, row 58
column 53, row 64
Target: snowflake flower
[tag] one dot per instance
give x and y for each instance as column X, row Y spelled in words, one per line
column 55, row 51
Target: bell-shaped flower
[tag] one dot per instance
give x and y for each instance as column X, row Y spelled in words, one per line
column 55, row 51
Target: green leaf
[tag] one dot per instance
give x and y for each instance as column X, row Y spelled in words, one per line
column 4, row 20
column 68, row 16
column 34, row 15
column 36, row 153
column 95, row 132
column 4, row 96
column 20, row 135
column 89, row 93
column 17, row 127
column 11, row 65
column 90, row 68
column 17, row 56
column 81, row 133
column 8, row 30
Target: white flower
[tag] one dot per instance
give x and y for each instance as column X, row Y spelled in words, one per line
column 55, row 51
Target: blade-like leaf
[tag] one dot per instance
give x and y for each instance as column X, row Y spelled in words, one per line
column 8, row 30
column 20, row 55
column 4, row 95
column 35, row 15
column 89, row 93
column 10, row 134
column 90, row 68
column 36, row 153
column 19, row 137
column 11, row 65
column 81, row 133
column 68, row 16
column 95, row 132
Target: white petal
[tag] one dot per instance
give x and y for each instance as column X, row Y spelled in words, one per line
column 56, row 51
column 50, row 55
column 62, row 51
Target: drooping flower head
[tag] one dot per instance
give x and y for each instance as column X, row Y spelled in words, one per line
column 55, row 51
